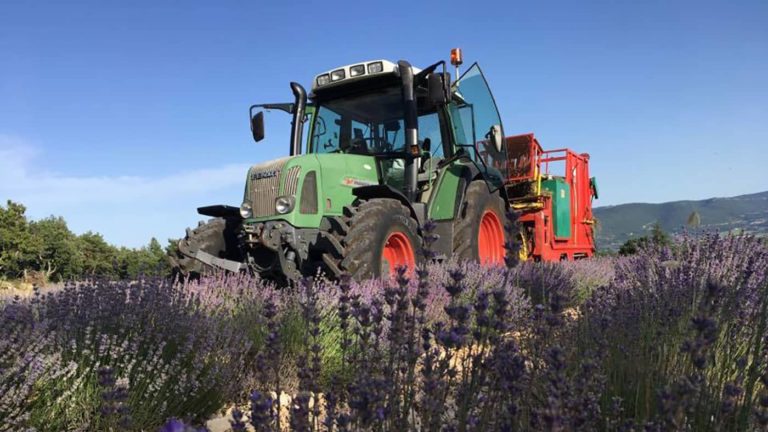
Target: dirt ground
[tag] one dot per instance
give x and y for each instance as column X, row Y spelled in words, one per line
column 10, row 289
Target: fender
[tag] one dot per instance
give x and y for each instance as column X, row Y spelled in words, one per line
column 386, row 191
column 220, row 210
column 484, row 177
column 471, row 174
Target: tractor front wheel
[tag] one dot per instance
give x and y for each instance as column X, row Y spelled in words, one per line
column 377, row 237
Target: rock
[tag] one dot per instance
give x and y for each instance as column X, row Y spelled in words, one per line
column 222, row 423
column 219, row 424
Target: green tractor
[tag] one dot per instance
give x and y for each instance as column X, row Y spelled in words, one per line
column 387, row 148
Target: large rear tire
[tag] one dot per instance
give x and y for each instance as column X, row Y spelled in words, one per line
column 479, row 228
column 217, row 237
column 376, row 236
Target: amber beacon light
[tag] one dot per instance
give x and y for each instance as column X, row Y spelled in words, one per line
column 456, row 59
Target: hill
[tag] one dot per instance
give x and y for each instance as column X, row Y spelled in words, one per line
column 619, row 223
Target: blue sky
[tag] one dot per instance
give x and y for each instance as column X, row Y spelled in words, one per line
column 123, row 117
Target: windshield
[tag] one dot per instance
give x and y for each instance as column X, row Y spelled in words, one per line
column 370, row 123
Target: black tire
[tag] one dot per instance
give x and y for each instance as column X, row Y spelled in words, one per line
column 217, row 237
column 362, row 233
column 466, row 226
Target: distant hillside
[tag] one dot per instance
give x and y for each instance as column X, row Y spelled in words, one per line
column 619, row 223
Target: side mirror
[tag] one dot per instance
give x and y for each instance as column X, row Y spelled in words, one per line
column 257, row 126
column 494, row 135
column 438, row 86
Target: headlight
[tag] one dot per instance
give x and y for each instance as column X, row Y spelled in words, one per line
column 246, row 210
column 284, row 204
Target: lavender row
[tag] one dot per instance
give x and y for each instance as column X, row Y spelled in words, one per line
column 672, row 338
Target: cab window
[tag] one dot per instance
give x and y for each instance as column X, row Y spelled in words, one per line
column 369, row 123
column 431, row 135
column 326, row 130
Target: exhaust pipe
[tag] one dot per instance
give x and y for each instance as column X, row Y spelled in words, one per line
column 297, row 125
column 411, row 121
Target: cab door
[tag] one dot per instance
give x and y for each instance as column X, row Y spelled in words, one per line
column 474, row 115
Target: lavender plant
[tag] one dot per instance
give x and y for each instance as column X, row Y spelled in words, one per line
column 645, row 315
column 103, row 354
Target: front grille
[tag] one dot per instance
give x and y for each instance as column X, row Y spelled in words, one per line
column 265, row 185
column 291, row 181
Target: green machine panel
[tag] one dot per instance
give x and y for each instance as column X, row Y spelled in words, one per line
column 561, row 205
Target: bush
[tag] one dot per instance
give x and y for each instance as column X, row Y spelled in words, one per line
column 657, row 237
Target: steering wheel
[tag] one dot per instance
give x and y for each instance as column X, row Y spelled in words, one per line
column 358, row 145
column 379, row 145
column 370, row 145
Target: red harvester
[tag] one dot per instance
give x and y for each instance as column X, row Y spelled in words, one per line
column 553, row 192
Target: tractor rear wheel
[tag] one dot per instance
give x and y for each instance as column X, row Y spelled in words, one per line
column 479, row 233
column 217, row 237
column 376, row 237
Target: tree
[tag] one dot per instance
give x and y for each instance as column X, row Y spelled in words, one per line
column 48, row 250
column 149, row 259
column 99, row 257
column 632, row 246
column 18, row 248
column 694, row 220
column 160, row 257
column 657, row 238
column 58, row 255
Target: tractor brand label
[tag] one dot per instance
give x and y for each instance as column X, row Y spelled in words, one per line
column 264, row 174
column 353, row 182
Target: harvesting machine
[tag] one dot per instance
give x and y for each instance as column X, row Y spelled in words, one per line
column 553, row 193
column 387, row 148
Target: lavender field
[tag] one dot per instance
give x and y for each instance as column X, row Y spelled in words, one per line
column 672, row 338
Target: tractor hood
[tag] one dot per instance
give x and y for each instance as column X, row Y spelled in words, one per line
column 302, row 189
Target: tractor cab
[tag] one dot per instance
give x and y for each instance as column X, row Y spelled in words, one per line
column 373, row 108
column 367, row 116
column 360, row 109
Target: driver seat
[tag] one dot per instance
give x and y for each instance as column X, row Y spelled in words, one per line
column 357, row 144
column 427, row 164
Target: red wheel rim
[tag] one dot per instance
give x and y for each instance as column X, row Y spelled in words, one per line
column 397, row 252
column 490, row 239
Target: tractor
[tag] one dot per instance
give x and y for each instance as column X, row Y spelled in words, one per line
column 377, row 149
